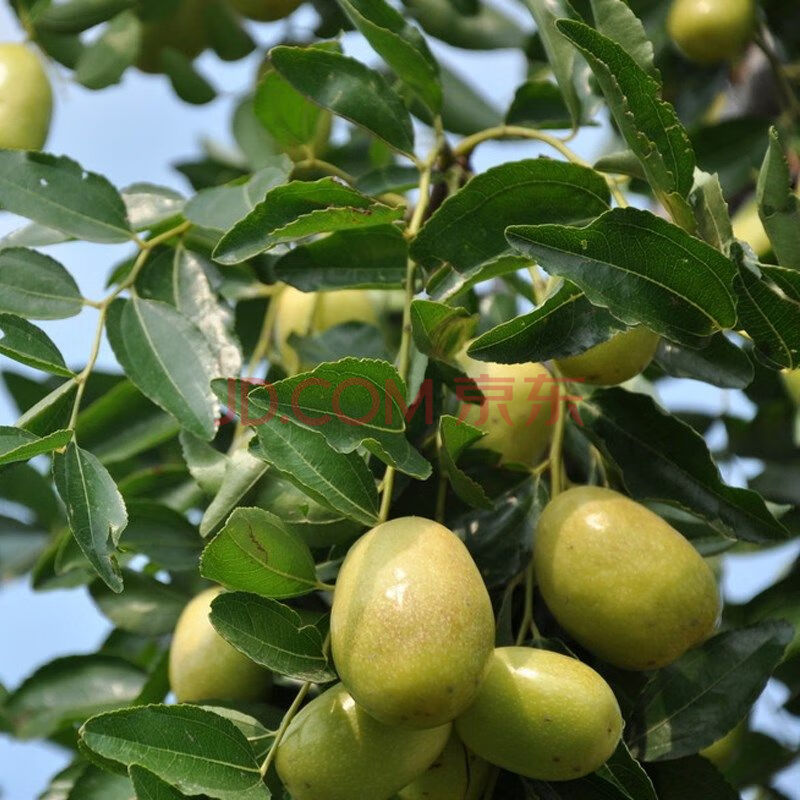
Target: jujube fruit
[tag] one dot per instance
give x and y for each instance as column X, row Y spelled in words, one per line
column 26, row 99
column 333, row 750
column 622, row 581
column 617, row 360
column 518, row 411
column 412, row 626
column 203, row 666
column 709, row 31
column 542, row 715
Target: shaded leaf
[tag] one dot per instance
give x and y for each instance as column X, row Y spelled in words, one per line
column 17, row 444
column 720, row 362
column 693, row 776
column 104, row 61
column 538, row 104
column 26, row 343
column 457, row 436
column 440, row 331
column 150, row 787
column 163, row 535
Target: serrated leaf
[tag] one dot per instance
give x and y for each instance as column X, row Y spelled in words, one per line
column 339, row 481
column 457, row 436
column 299, row 209
column 58, row 193
column 69, row 690
column 36, row 286
column 616, row 20
column 469, row 227
column 673, row 283
column 195, row 750
column 720, row 363
column 648, row 124
column 273, row 635
column 349, row 89
column 24, row 342
column 221, row 207
column 150, row 787
column 255, row 553
column 17, row 444
column 400, row 45
column 439, row 330
column 662, row 458
column 711, row 211
column 167, row 358
column 150, row 205
column 697, row 699
column 104, row 61
column 565, row 324
column 778, row 205
column 369, row 258
column 367, row 410
column 95, row 509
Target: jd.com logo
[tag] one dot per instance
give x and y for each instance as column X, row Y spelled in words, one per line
column 315, row 401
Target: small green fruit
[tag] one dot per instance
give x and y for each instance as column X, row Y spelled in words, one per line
column 542, row 715
column 306, row 313
column 26, row 99
column 724, row 751
column 791, row 378
column 519, row 406
column 265, row 10
column 748, row 227
column 333, row 750
column 203, row 666
column 621, row 580
column 709, row 31
column 412, row 626
column 620, row 358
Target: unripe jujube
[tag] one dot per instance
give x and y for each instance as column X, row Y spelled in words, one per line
column 709, row 31
column 26, row 99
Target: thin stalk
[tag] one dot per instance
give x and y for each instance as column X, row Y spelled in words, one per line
column 285, row 722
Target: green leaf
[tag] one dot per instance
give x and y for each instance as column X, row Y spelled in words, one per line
column 61, row 783
column 26, row 343
column 255, row 553
column 764, row 756
column 400, row 45
column 221, row 207
column 457, row 436
column 673, row 283
column 626, row 774
column 348, row 89
column 147, row 606
column 195, row 750
column 293, row 121
column 187, row 82
column 648, row 124
column 168, row 360
column 566, row 323
column 693, row 776
column 299, row 209
column 227, row 33
column 104, row 61
column 446, row 283
column 33, row 235
column 52, row 412
column 58, row 193
column 360, row 258
column 662, row 458
column 36, row 286
column 163, row 535
column 273, row 635
column 96, row 784
column 778, row 206
column 150, row 787
column 439, row 330
column 340, row 481
column 95, row 509
column 69, row 690
column 367, row 409
column 75, row 16
column 701, row 696
column 21, row 545
column 538, row 104
column 17, row 444
column 150, row 205
column 769, row 310
column 469, row 227
column 711, row 211
column 206, row 463
column 720, row 363
column 349, row 339
column 616, row 20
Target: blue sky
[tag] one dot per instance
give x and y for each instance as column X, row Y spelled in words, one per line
column 133, row 132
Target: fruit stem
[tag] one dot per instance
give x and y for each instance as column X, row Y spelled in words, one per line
column 285, row 722
column 465, row 147
column 326, row 166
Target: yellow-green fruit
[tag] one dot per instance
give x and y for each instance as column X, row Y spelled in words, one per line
column 518, row 411
column 412, row 627
column 620, row 358
column 791, row 378
column 621, row 580
column 26, row 99
column 709, row 31
column 542, row 715
column 747, row 226
column 307, row 313
column 724, row 751
column 184, row 30
column 333, row 750
column 265, row 10
column 203, row 666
